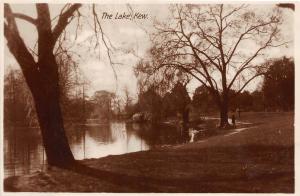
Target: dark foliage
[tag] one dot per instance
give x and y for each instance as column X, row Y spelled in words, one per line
column 279, row 83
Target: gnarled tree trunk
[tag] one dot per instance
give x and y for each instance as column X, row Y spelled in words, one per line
column 46, row 98
column 42, row 77
column 223, row 107
column 224, row 115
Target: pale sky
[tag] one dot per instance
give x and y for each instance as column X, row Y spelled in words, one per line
column 124, row 34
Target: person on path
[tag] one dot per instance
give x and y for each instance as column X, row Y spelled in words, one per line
column 233, row 120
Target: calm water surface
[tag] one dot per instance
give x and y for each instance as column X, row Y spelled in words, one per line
column 24, row 152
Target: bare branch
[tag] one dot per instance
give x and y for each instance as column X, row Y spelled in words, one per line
column 248, row 81
column 63, row 21
column 108, row 50
column 252, row 28
column 195, row 54
column 18, row 48
column 25, row 17
column 244, row 65
column 15, row 43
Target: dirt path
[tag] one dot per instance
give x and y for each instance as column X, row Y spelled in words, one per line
column 257, row 159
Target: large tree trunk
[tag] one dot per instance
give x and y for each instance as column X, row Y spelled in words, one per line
column 42, row 76
column 51, row 123
column 224, row 116
column 224, row 112
column 46, row 97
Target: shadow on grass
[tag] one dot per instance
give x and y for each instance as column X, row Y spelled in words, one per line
column 211, row 182
column 207, row 183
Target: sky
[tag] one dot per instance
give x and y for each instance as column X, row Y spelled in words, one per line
column 125, row 35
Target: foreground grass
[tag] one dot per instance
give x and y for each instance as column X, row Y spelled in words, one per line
column 258, row 159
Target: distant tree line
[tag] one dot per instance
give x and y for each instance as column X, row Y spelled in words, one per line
column 76, row 106
column 19, row 106
column 18, row 103
column 276, row 94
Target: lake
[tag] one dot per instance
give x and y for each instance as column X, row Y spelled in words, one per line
column 24, row 152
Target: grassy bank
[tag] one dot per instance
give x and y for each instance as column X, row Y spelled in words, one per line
column 256, row 159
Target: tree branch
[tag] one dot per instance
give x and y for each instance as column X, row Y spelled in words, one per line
column 25, row 17
column 245, row 33
column 196, row 56
column 63, row 21
column 253, row 77
column 14, row 41
column 18, row 48
column 244, row 65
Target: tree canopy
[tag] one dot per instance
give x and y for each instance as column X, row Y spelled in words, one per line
column 217, row 45
column 279, row 84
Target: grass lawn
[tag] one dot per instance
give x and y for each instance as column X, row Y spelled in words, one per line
column 257, row 159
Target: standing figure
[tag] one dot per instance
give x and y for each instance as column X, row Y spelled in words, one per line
column 233, row 120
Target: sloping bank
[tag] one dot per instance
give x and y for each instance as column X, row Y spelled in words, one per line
column 258, row 159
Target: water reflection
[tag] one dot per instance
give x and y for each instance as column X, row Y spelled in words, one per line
column 24, row 152
column 103, row 140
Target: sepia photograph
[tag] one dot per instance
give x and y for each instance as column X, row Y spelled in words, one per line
column 144, row 97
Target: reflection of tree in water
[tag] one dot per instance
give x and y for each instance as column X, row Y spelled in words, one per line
column 23, row 150
column 118, row 130
column 75, row 133
column 100, row 133
column 157, row 134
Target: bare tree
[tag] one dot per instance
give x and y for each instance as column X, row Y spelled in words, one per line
column 217, row 45
column 40, row 69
